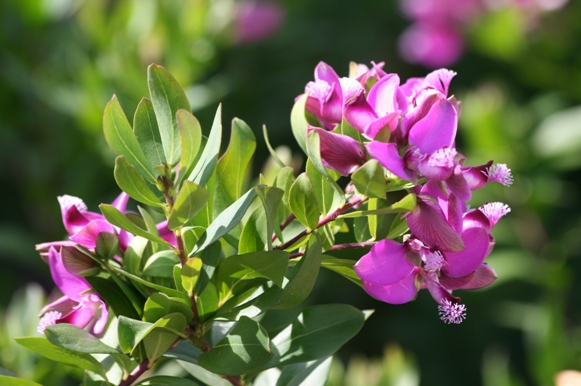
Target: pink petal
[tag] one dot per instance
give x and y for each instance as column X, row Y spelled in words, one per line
column 440, row 79
column 458, row 186
column 428, row 223
column 388, row 155
column 400, row 292
column 439, row 293
column 483, row 276
column 452, row 283
column 385, row 263
column 468, row 260
column 64, row 305
column 87, row 236
column 340, row 152
column 382, row 95
column 325, row 72
column 475, row 176
column 437, row 129
column 70, row 285
column 121, row 202
column 359, row 114
column 81, row 316
column 390, row 120
column 165, row 233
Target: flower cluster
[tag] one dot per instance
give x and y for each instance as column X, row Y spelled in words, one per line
column 73, row 259
column 436, row 36
column 410, row 129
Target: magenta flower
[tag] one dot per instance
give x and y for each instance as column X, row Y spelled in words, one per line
column 79, row 305
column 257, row 20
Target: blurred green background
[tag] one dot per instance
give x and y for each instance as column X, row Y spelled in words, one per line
column 62, row 60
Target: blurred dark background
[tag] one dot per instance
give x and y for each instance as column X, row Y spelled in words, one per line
column 519, row 77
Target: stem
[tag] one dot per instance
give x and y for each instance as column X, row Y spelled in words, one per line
column 289, row 219
column 136, row 373
column 355, row 200
column 340, row 247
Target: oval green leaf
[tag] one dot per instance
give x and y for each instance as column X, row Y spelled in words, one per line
column 132, row 183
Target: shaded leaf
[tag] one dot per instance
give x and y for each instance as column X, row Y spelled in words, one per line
column 132, row 183
column 76, row 339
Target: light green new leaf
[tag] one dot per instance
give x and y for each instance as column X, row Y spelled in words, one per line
column 233, row 164
column 189, row 201
column 191, row 273
column 303, row 275
column 303, row 202
column 121, row 139
column 12, row 381
column 406, row 204
column 115, row 217
column 46, row 349
column 161, row 264
column 147, row 133
column 159, row 305
column 323, row 189
column 244, row 349
column 167, row 97
column 208, row 160
column 132, row 183
column 317, row 332
column 254, row 235
column 299, row 122
column 191, row 139
column 71, row 337
column 369, row 179
column 284, row 181
column 225, row 221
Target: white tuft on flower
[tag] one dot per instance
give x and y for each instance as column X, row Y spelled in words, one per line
column 433, row 261
column 351, row 89
column 443, row 158
column 499, row 173
column 494, row 211
column 48, row 319
column 452, row 312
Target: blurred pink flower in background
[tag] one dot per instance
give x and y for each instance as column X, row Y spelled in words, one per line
column 435, row 38
column 257, row 20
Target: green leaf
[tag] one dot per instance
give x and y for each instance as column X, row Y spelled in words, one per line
column 312, row 373
column 317, row 332
column 76, row 339
column 343, row 267
column 191, row 273
column 314, row 153
column 166, row 380
column 116, row 297
column 134, row 254
column 191, row 139
column 253, row 307
column 132, row 183
column 271, row 198
column 303, row 202
column 136, row 279
column 131, row 332
column 11, row 381
column 369, row 179
column 147, row 133
column 115, row 217
column 209, row 158
column 299, row 122
column 48, row 350
column 205, row 376
column 225, row 221
column 121, row 139
column 323, row 189
column 159, row 305
column 303, row 275
column 233, row 164
column 284, row 181
column 189, row 201
column 254, row 235
column 245, row 348
column 398, row 228
column 271, row 265
column 167, row 97
column 406, row 204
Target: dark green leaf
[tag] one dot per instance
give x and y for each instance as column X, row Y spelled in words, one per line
column 205, row 376
column 191, row 139
column 131, row 332
column 167, row 97
column 159, row 305
column 116, row 297
column 244, row 349
column 303, row 202
column 343, row 267
column 398, row 228
column 271, row 198
column 147, row 133
column 121, row 139
column 46, row 349
column 369, row 179
column 209, row 158
column 168, row 291
column 11, row 381
column 76, row 339
column 189, row 201
column 132, row 183
column 164, row 334
column 303, row 275
column 406, row 204
column 165, row 380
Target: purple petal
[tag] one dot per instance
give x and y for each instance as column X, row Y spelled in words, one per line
column 388, row 155
column 400, row 292
column 165, row 233
column 87, row 236
column 325, row 72
column 359, row 114
column 437, row 129
column 483, row 276
column 121, row 202
column 440, row 79
column 476, row 219
column 458, row 186
column 385, row 263
column 475, row 176
column 82, row 315
column 390, row 120
column 468, row 260
column 452, row 283
column 382, row 95
column 64, row 305
column 428, row 223
column 70, row 285
column 340, row 152
column 439, row 293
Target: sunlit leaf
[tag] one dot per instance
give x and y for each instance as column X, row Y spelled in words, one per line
column 208, row 160
column 147, row 133
column 189, row 201
column 303, row 202
column 132, row 183
column 191, row 141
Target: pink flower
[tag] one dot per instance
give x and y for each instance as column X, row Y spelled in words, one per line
column 257, row 20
